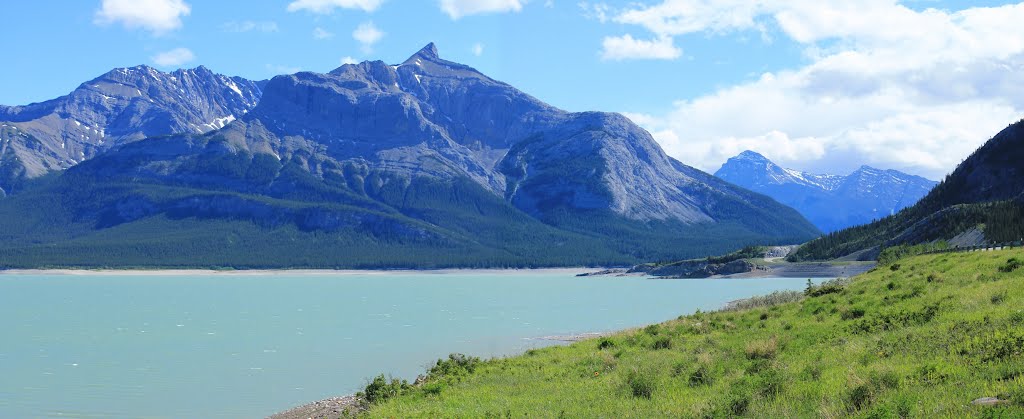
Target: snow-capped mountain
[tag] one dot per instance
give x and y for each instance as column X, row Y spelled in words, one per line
column 423, row 161
column 125, row 104
column 831, row 202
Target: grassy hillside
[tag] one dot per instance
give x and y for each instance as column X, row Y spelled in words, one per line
column 985, row 190
column 920, row 338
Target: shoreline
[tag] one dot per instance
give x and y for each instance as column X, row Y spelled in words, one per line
column 250, row 272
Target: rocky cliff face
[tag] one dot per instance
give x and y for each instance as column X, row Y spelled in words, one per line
column 429, row 117
column 831, row 202
column 126, row 104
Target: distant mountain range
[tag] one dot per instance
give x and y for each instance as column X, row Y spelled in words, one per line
column 123, row 105
column 983, row 197
column 427, row 163
column 831, row 202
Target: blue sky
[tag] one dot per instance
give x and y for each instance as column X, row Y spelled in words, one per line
column 817, row 85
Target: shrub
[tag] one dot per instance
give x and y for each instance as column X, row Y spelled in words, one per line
column 1011, row 265
column 738, row 402
column 998, row 297
column 700, row 377
column 894, row 267
column 641, row 383
column 860, row 396
column 662, row 342
column 380, row 389
column 853, row 313
column 652, row 330
column 455, row 366
column 605, row 343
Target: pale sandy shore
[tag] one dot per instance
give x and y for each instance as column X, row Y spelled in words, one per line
column 249, row 272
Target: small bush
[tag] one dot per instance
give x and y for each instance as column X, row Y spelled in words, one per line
column 652, row 330
column 662, row 342
column 761, row 349
column 641, row 383
column 700, row 377
column 1011, row 265
column 853, row 313
column 739, row 403
column 886, row 379
column 380, row 389
column 605, row 343
column 860, row 396
column 456, row 365
column 894, row 267
column 998, row 298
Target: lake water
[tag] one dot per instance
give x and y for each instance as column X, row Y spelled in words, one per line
column 243, row 346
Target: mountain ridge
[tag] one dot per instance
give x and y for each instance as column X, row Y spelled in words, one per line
column 431, row 154
column 122, row 105
column 831, row 202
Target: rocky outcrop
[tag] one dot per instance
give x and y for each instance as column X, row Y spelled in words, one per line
column 703, row 269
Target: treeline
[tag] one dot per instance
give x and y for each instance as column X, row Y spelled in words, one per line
column 999, row 221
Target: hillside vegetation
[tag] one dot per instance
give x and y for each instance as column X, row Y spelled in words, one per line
column 922, row 337
column 985, row 190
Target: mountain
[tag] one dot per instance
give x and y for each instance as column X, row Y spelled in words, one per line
column 123, row 105
column 427, row 163
column 831, row 202
column 983, row 197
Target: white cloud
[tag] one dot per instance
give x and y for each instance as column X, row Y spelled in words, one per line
column 348, row 60
column 321, row 33
column 367, row 34
column 174, row 57
column 596, row 11
column 157, row 16
column 459, row 8
column 328, row 6
column 885, row 85
column 249, row 26
column 625, row 47
column 478, row 49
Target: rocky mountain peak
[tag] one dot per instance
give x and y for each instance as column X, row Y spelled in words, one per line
column 831, row 202
column 752, row 156
column 429, row 52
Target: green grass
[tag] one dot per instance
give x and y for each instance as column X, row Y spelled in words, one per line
column 923, row 340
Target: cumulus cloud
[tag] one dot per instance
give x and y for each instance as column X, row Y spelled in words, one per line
column 626, row 48
column 174, row 57
column 478, row 49
column 367, row 34
column 348, row 60
column 157, row 16
column 249, row 26
column 328, row 6
column 459, row 8
column 885, row 85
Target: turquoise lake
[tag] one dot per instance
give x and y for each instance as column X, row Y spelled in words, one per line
column 249, row 345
